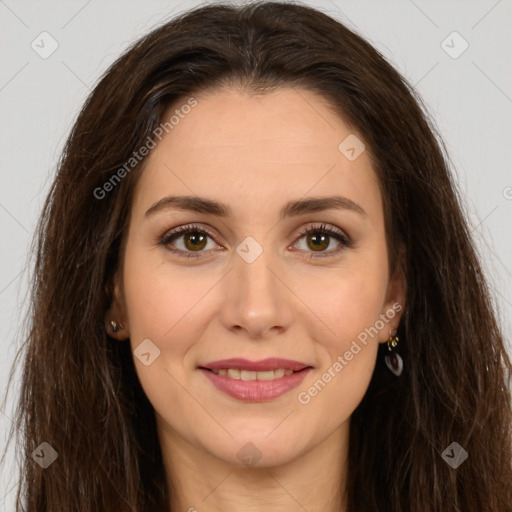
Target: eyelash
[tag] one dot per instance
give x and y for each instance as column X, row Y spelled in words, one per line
column 166, row 238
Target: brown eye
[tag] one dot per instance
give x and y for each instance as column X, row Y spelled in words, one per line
column 187, row 241
column 194, row 240
column 318, row 239
column 318, row 242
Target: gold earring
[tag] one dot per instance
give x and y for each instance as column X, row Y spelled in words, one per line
column 116, row 325
column 393, row 361
column 393, row 341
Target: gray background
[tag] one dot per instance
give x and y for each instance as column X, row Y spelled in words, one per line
column 469, row 97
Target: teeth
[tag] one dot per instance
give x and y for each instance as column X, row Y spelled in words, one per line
column 245, row 375
column 269, row 375
column 234, row 373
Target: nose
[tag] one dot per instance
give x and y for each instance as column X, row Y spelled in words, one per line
column 257, row 299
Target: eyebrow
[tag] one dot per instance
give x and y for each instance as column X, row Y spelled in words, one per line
column 291, row 209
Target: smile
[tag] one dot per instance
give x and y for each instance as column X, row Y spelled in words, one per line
column 247, row 375
column 254, row 386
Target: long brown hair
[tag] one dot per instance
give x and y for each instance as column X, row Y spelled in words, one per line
column 80, row 392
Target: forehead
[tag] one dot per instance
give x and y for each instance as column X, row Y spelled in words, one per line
column 258, row 148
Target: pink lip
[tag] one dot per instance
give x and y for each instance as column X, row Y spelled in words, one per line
column 256, row 390
column 272, row 363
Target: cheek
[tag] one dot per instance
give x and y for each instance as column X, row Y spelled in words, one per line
column 345, row 312
column 159, row 297
column 171, row 306
column 345, row 302
column 346, row 350
column 164, row 307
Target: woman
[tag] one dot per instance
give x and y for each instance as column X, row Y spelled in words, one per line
column 255, row 288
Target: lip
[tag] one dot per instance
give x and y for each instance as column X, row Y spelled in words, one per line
column 255, row 390
column 271, row 363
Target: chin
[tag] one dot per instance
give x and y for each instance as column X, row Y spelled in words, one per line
column 258, row 451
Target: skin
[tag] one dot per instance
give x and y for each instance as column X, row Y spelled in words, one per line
column 255, row 153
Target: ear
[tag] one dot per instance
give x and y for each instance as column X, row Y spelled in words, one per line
column 394, row 305
column 117, row 311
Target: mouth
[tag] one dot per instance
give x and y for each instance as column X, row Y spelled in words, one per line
column 255, row 381
column 248, row 375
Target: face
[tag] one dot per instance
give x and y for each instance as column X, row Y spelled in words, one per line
column 271, row 273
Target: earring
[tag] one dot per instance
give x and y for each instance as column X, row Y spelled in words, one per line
column 393, row 361
column 116, row 325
